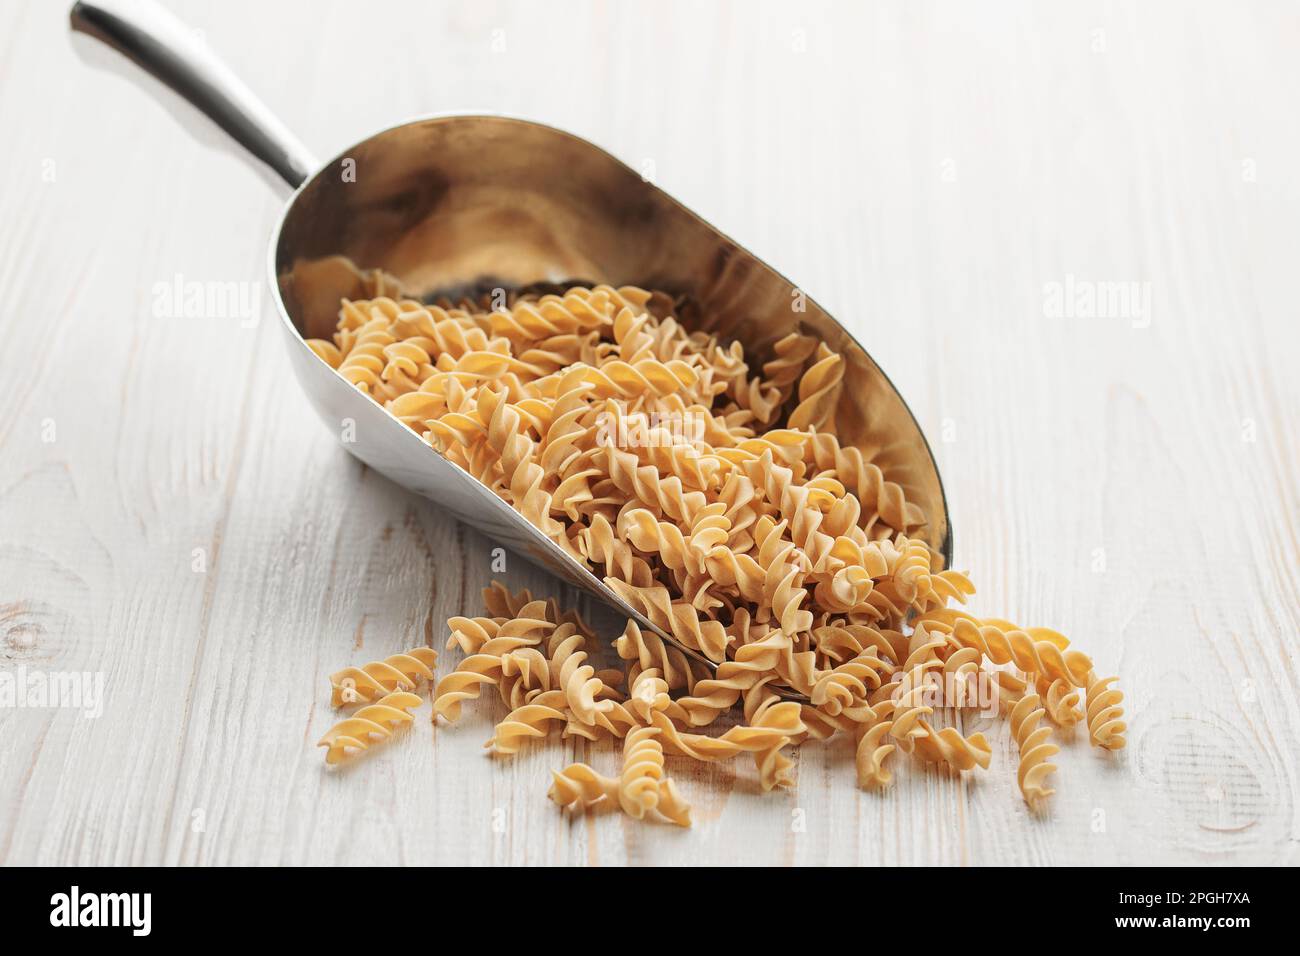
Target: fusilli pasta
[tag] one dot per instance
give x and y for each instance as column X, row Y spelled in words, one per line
column 374, row 721
column 721, row 504
column 403, row 671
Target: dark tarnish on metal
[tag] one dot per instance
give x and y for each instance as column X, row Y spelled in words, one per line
column 448, row 203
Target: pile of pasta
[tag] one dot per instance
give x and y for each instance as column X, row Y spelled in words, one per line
column 718, row 501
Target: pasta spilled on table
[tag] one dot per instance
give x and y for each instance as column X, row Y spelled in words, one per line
column 720, row 503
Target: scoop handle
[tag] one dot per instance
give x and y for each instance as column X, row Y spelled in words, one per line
column 163, row 46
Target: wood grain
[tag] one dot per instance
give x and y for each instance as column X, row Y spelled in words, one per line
column 926, row 171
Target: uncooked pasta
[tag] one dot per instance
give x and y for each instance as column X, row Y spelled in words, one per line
column 403, row 671
column 369, row 724
column 721, row 504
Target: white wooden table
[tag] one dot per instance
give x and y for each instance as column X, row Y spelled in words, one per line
column 945, row 177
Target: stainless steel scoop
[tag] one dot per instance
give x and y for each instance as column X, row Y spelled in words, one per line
column 452, row 203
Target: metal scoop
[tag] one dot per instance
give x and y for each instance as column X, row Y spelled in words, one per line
column 448, row 204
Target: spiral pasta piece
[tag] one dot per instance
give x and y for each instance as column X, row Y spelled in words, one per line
column 848, row 686
column 374, row 721
column 578, row 787
column 550, row 315
column 578, row 679
column 464, row 684
column 1009, row 645
column 949, row 747
column 1105, row 729
column 368, row 682
column 792, row 352
column 472, row 674
column 501, row 602
column 643, row 769
column 526, row 722
column 676, row 617
column 819, row 390
column 1035, row 749
column 327, row 352
column 523, row 474
column 365, row 361
column 873, row 747
column 1060, row 701
column 672, row 805
column 471, row 633
column 782, row 723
